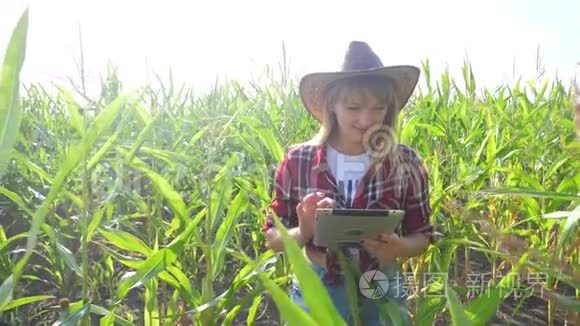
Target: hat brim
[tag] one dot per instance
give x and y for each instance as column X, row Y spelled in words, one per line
column 313, row 86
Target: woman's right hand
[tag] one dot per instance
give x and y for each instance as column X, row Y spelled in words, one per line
column 306, row 211
column 316, row 256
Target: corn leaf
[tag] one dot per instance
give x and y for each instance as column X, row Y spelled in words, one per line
column 226, row 229
column 289, row 311
column 158, row 262
column 456, row 310
column 125, row 241
column 173, row 198
column 151, row 311
column 6, row 290
column 315, row 294
column 484, row 308
column 24, row 301
column 10, row 113
column 76, row 154
column 69, row 259
column 76, row 313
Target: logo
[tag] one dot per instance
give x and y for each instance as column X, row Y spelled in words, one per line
column 373, row 284
column 380, row 141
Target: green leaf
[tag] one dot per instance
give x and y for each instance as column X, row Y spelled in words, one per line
column 76, row 155
column 198, row 135
column 69, row 259
column 151, row 311
column 177, row 244
column 289, row 311
column 221, row 194
column 76, row 120
column 266, row 135
column 6, row 291
column 571, row 302
column 77, row 314
column 456, row 310
column 225, row 231
column 16, row 199
column 125, row 241
column 10, row 114
column 427, row 310
column 491, row 149
column 42, row 174
column 143, row 114
column 531, row 193
column 150, row 269
column 392, row 310
column 173, row 198
column 269, row 139
column 485, row 306
column 488, row 135
column 434, row 130
column 227, row 168
column 24, row 301
column 177, row 278
column 352, row 288
column 251, row 319
column 314, row 293
column 5, row 243
column 141, row 137
column 98, row 310
column 567, row 234
column 98, row 156
column 94, row 224
column 110, row 318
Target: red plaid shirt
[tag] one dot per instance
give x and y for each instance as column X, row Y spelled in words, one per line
column 399, row 183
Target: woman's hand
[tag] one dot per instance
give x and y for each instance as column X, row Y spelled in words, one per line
column 306, row 211
column 386, row 248
column 316, row 256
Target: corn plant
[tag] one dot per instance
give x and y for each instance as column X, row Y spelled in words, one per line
column 145, row 206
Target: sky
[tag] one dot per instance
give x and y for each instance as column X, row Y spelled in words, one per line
column 205, row 40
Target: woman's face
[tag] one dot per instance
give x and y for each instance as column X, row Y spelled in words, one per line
column 356, row 111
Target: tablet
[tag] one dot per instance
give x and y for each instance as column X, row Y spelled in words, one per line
column 337, row 226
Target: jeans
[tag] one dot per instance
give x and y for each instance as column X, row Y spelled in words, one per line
column 369, row 312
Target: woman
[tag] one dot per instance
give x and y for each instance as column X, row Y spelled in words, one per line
column 355, row 162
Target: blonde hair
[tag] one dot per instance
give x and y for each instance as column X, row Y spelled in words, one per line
column 378, row 86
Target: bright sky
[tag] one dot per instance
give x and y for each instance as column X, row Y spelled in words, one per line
column 202, row 40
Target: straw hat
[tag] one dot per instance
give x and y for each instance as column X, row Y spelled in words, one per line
column 359, row 60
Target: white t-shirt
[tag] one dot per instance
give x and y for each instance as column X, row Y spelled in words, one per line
column 348, row 170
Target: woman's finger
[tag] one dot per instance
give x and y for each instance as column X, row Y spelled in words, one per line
column 303, row 211
column 311, row 200
column 313, row 197
column 326, row 203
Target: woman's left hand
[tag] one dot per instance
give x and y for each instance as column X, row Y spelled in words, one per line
column 386, row 248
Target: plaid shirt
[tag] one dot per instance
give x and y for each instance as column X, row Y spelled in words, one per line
column 399, row 183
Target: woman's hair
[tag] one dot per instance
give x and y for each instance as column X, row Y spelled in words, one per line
column 378, row 86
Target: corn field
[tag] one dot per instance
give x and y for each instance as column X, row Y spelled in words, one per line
column 144, row 206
